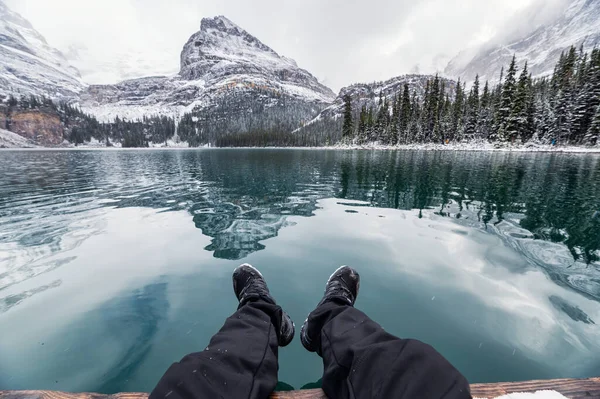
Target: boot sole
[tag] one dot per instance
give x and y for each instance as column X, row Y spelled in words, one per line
column 251, row 267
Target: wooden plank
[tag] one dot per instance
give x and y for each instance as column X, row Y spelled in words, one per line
column 571, row 388
column 307, row 394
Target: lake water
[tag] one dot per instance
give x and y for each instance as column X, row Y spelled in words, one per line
column 114, row 264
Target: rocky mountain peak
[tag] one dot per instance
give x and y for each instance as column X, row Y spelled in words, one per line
column 222, row 45
column 223, row 53
column 221, row 29
column 219, row 23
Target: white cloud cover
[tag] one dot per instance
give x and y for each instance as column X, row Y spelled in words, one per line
column 339, row 41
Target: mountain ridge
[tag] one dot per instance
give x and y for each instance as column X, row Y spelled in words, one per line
column 31, row 66
column 578, row 25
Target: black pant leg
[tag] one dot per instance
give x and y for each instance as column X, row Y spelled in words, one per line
column 361, row 360
column 239, row 362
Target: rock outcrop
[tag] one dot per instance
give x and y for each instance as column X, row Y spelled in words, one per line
column 39, row 127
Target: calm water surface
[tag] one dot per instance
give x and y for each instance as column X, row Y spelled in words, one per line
column 114, row 264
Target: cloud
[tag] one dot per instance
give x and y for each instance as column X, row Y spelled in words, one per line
column 340, row 42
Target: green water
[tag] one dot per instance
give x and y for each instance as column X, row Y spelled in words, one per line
column 114, row 264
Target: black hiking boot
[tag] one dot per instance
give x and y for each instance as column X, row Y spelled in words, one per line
column 249, row 285
column 342, row 287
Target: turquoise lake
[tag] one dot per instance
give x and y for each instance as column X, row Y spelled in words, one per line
column 116, row 263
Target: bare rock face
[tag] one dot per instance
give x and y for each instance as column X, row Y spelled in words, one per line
column 39, row 127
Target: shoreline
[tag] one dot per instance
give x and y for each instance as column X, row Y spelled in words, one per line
column 466, row 147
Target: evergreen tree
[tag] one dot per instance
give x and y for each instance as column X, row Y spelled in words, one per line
column 544, row 118
column 371, row 135
column 405, row 112
column 588, row 96
column 528, row 129
column 415, row 133
column 446, row 118
column 563, row 103
column 395, row 124
column 593, row 135
column 485, row 113
column 457, row 113
column 433, row 123
column 472, row 111
column 362, row 126
column 506, row 103
column 12, row 101
column 517, row 120
column 382, row 123
column 348, row 126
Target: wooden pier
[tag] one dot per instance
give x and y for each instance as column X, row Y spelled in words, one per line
column 588, row 388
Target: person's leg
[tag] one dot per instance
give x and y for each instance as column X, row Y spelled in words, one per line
column 241, row 359
column 361, row 360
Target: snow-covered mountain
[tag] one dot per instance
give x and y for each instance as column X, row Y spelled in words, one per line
column 578, row 25
column 227, row 78
column 28, row 65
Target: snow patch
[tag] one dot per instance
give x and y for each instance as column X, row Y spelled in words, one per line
column 13, row 140
column 471, row 146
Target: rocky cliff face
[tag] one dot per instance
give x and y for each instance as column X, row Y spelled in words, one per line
column 229, row 81
column 578, row 25
column 28, row 65
column 38, row 127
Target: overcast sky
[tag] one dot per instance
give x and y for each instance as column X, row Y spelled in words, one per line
column 339, row 41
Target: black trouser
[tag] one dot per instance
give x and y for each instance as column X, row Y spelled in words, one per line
column 360, row 360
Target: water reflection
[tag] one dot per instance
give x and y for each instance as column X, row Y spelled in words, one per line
column 470, row 222
column 142, row 312
column 242, row 198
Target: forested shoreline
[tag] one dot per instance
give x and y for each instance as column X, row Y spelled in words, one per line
column 561, row 109
column 77, row 127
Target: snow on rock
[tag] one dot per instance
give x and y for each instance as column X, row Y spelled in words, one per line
column 13, row 140
column 222, row 66
column 28, row 65
column 578, row 25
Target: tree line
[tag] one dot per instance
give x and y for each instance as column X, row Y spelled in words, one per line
column 80, row 127
column 561, row 109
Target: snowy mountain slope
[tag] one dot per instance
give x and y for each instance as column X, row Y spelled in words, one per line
column 28, row 65
column 225, row 73
column 578, row 25
column 368, row 94
column 13, row 140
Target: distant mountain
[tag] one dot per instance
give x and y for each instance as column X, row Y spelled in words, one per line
column 28, row 65
column 229, row 81
column 578, row 25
